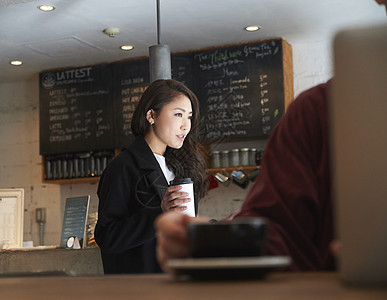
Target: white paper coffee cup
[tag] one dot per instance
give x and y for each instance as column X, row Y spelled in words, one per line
column 187, row 187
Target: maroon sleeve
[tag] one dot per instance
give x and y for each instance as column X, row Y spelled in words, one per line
column 292, row 190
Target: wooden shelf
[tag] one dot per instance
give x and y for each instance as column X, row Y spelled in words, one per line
column 247, row 169
column 73, row 180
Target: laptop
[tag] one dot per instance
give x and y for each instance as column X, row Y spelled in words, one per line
column 359, row 152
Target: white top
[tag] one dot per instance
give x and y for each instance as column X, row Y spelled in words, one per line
column 168, row 174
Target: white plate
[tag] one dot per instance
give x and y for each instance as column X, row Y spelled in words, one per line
column 228, row 267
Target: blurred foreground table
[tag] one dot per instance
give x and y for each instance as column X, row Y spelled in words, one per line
column 275, row 286
column 51, row 260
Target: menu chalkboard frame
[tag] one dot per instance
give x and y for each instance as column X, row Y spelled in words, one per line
column 287, row 58
column 287, row 75
column 286, row 86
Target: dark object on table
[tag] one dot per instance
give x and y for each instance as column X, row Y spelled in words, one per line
column 236, row 238
column 228, row 268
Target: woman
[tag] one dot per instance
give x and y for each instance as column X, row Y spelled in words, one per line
column 133, row 189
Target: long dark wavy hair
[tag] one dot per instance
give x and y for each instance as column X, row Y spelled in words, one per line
column 186, row 161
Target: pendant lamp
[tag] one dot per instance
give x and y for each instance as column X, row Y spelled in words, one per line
column 159, row 56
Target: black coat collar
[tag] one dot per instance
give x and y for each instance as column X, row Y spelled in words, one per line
column 151, row 174
column 141, row 150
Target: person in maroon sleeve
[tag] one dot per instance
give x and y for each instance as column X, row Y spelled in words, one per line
column 292, row 190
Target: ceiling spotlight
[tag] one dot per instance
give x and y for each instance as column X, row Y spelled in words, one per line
column 16, row 62
column 126, row 47
column 46, row 7
column 111, row 31
column 252, row 28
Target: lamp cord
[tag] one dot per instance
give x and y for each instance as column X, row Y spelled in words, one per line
column 158, row 22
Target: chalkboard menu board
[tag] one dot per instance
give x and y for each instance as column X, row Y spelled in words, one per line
column 182, row 69
column 130, row 79
column 242, row 89
column 76, row 110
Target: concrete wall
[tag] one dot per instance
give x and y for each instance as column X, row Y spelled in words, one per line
column 20, row 163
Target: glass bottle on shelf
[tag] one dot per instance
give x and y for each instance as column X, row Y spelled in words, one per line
column 215, row 159
column 235, row 162
column 252, row 157
column 244, row 157
column 225, row 159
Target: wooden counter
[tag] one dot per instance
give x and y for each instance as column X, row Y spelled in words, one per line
column 276, row 286
column 51, row 260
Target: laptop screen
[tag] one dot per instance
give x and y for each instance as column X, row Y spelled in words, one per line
column 359, row 152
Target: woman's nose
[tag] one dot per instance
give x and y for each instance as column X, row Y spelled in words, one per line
column 185, row 124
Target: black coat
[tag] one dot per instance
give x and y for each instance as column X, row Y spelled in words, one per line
column 130, row 193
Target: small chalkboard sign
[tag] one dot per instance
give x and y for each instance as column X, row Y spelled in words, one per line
column 74, row 220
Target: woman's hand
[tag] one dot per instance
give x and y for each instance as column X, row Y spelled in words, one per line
column 173, row 199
